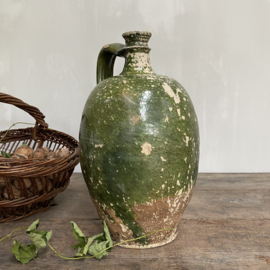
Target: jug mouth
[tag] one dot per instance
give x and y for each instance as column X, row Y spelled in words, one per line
column 137, row 38
column 137, row 33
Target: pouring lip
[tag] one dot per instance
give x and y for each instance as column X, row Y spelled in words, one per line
column 137, row 33
column 137, row 38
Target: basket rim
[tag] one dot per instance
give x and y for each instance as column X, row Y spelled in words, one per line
column 39, row 168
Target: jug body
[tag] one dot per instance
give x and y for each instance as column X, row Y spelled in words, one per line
column 139, row 149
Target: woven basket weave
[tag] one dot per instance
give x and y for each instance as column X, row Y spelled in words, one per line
column 47, row 178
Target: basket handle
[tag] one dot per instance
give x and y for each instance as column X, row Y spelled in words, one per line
column 33, row 111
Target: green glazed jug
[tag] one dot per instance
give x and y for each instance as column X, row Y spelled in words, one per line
column 139, row 146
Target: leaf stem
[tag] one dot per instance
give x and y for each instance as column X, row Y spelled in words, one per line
column 13, row 126
column 88, row 257
column 9, row 235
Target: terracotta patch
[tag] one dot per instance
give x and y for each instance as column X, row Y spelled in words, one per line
column 162, row 214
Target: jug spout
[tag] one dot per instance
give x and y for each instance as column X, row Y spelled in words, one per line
column 137, row 38
column 136, row 52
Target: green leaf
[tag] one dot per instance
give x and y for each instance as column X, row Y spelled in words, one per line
column 101, row 237
column 39, row 238
column 97, row 248
column 83, row 249
column 108, row 236
column 5, row 155
column 92, row 245
column 84, row 242
column 48, row 235
column 90, row 240
column 24, row 144
column 78, row 234
column 102, row 241
column 79, row 253
column 24, row 254
column 33, row 226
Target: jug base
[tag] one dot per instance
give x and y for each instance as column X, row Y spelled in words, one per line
column 158, row 244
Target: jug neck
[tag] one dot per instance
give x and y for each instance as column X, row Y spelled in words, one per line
column 136, row 53
column 137, row 61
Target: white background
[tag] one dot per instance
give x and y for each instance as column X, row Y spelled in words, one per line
column 219, row 50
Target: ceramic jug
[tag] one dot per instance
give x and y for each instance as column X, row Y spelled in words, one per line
column 139, row 146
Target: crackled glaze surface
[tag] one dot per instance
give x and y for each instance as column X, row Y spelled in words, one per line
column 139, row 148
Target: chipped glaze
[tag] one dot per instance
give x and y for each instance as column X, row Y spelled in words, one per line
column 139, row 145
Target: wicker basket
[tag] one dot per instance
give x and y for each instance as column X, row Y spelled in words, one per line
column 28, row 186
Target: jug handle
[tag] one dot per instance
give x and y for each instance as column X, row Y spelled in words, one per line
column 106, row 60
